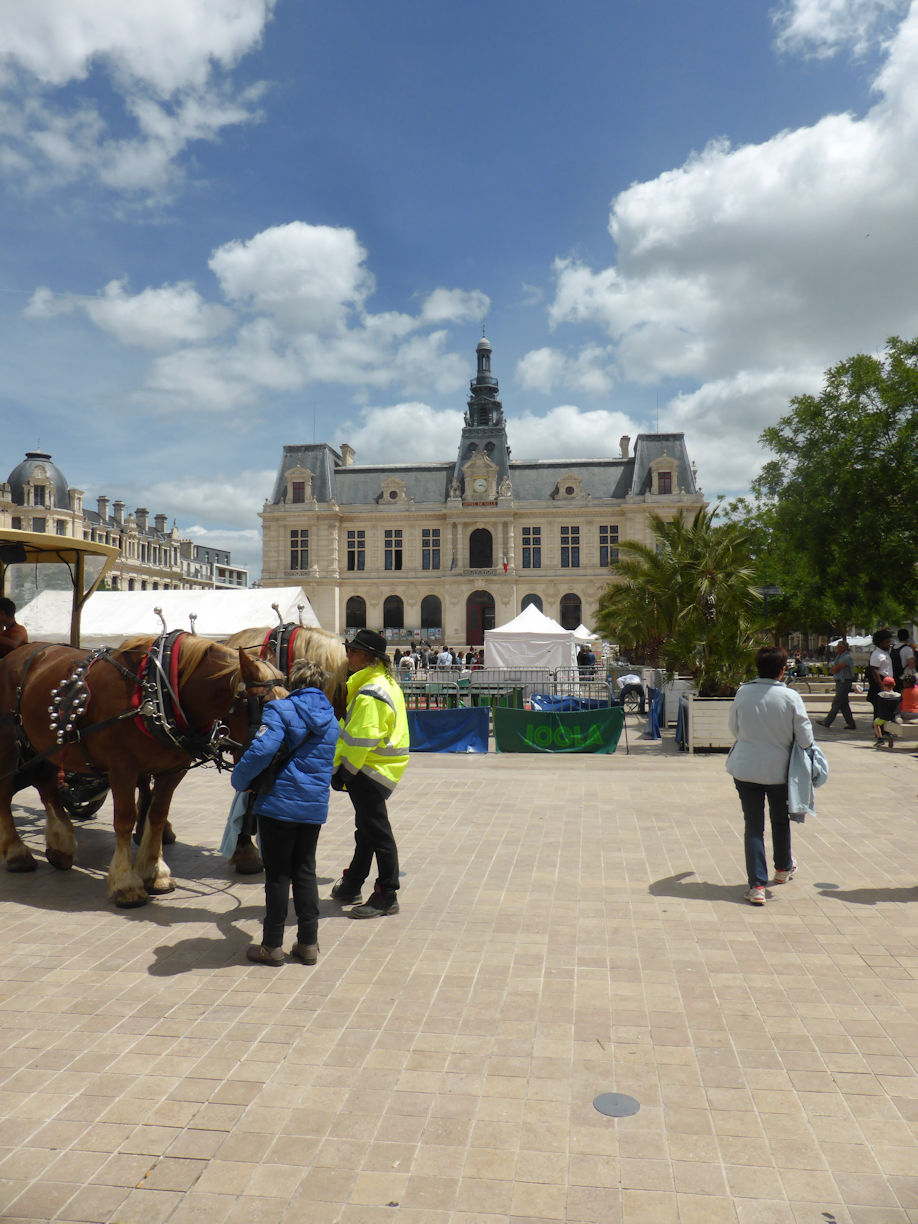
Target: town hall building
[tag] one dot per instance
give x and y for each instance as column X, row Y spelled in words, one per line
column 446, row 550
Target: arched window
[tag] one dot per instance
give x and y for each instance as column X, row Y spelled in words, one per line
column 570, row 611
column 431, row 612
column 355, row 613
column 393, row 613
column 531, row 599
column 481, row 549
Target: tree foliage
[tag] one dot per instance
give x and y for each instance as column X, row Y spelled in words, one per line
column 834, row 521
column 688, row 601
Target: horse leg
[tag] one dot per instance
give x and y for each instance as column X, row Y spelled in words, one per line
column 60, row 843
column 15, row 853
column 144, row 798
column 150, row 864
column 246, row 858
column 125, row 887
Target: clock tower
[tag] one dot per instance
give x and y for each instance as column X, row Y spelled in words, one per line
column 483, row 465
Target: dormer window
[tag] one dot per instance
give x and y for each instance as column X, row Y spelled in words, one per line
column 393, row 490
column 299, row 486
column 664, row 482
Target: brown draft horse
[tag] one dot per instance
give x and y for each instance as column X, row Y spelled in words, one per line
column 208, row 679
column 304, row 642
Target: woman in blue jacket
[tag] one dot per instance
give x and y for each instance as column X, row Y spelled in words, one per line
column 304, row 730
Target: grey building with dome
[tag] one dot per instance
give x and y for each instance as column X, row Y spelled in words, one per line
column 36, row 497
column 447, row 550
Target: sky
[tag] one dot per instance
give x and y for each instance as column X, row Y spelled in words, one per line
column 234, row 224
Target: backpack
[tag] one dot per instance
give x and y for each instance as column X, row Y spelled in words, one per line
column 896, row 656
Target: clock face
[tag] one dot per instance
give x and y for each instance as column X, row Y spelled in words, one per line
column 480, row 486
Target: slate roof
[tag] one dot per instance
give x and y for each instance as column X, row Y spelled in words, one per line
column 429, row 483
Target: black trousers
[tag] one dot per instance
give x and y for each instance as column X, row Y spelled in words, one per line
column 372, row 835
column 288, row 851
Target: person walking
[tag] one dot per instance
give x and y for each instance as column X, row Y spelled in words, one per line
column 766, row 718
column 370, row 759
column 296, row 740
column 843, row 671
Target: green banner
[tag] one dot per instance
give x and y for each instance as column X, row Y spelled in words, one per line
column 538, row 731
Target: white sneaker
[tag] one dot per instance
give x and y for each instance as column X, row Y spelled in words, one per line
column 756, row 896
column 781, row 877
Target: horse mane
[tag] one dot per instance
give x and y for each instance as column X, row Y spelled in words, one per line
column 248, row 639
column 326, row 649
column 192, row 650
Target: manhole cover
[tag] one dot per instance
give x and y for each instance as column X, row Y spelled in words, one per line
column 616, row 1104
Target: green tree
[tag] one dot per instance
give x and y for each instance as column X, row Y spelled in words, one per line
column 688, row 601
column 835, row 508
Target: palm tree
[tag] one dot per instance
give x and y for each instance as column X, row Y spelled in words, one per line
column 688, row 601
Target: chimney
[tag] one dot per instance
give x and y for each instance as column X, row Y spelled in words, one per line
column 160, row 521
column 347, row 454
column 118, row 512
column 102, row 504
column 624, row 442
column 142, row 515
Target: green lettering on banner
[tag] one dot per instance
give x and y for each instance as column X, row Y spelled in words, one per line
column 550, row 731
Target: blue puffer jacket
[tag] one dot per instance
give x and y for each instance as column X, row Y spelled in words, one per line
column 306, row 723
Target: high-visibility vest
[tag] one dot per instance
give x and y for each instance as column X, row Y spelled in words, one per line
column 374, row 731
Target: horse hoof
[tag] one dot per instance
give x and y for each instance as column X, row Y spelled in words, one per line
column 168, row 834
column 130, row 900
column 159, row 888
column 21, row 864
column 58, row 859
column 249, row 867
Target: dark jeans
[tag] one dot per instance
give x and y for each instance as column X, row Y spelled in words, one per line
column 840, row 704
column 372, row 835
column 288, row 851
column 752, row 797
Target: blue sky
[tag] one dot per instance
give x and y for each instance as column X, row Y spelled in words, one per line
column 231, row 224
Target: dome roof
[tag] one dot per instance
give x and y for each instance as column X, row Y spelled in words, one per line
column 37, row 465
column 483, row 344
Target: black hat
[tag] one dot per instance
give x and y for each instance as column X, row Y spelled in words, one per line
column 372, row 642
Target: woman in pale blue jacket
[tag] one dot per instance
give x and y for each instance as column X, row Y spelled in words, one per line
column 765, row 719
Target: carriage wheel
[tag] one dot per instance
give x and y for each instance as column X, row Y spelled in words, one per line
column 83, row 796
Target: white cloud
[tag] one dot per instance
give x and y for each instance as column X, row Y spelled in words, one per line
column 414, row 432
column 455, row 306
column 299, row 295
column 747, row 269
column 548, row 369
column 821, row 28
column 165, row 61
column 155, row 318
column 306, row 276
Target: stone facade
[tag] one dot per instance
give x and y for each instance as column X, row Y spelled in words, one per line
column 154, row 557
column 451, row 549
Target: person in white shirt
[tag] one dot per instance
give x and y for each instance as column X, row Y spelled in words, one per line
column 765, row 719
column 445, row 657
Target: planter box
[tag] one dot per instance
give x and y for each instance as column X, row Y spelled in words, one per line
column 707, row 722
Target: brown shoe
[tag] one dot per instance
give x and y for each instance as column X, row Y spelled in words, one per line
column 307, row 953
column 260, row 955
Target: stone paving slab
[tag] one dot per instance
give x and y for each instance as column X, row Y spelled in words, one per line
column 570, row 926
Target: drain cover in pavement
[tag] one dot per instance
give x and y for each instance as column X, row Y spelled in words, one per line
column 616, row 1104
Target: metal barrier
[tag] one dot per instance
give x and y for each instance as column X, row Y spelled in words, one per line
column 439, row 689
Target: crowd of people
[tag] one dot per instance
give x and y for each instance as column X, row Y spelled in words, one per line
column 421, row 656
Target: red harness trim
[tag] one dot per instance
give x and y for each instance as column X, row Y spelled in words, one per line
column 173, row 665
column 265, row 644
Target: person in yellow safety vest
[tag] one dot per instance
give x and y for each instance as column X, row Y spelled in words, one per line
column 370, row 758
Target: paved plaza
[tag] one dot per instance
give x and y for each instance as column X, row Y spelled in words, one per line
column 570, row 926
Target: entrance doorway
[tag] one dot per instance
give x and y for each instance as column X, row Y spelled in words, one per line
column 479, row 616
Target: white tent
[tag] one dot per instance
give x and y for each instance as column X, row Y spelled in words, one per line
column 530, row 640
column 582, row 634
column 111, row 616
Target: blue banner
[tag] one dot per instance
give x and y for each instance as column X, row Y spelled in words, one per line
column 448, row 730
